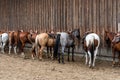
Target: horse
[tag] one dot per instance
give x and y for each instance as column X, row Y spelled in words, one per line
column 42, row 40
column 25, row 37
column 3, row 40
column 13, row 40
column 90, row 45
column 65, row 39
column 114, row 40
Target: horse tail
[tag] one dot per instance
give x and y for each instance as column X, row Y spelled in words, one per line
column 18, row 39
column 56, row 45
column 92, row 48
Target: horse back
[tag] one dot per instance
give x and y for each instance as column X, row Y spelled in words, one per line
column 116, row 47
column 42, row 39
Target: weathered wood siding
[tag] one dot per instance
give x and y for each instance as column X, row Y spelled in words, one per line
column 60, row 15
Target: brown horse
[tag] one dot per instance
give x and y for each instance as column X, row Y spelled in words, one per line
column 19, row 39
column 13, row 40
column 109, row 36
column 42, row 40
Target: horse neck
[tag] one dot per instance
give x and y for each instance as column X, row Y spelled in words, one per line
column 72, row 37
column 111, row 37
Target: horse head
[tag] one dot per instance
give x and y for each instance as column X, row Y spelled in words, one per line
column 108, row 37
column 76, row 34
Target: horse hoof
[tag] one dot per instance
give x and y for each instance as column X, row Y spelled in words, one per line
column 63, row 62
column 58, row 61
column 90, row 66
column 113, row 65
column 73, row 60
column 68, row 60
column 40, row 59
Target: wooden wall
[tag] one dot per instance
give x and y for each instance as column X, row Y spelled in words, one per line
column 95, row 15
column 60, row 15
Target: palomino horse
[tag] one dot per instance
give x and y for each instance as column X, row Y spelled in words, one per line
column 91, row 44
column 65, row 39
column 42, row 40
column 115, row 46
column 3, row 41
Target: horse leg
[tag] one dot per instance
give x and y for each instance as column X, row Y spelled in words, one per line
column 51, row 55
column 10, row 47
column 86, row 55
column 33, row 52
column 113, row 57
column 63, row 48
column 73, row 54
column 68, row 53
column 22, row 53
column 89, row 59
column 41, row 52
column 15, row 49
column 3, row 47
column 48, row 52
column 95, row 53
column 119, row 58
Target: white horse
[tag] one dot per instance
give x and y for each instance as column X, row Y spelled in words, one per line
column 3, row 41
column 91, row 44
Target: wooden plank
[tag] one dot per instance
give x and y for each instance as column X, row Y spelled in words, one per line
column 90, row 13
column 114, row 20
column 98, row 16
column 109, row 15
column 80, row 16
column 118, row 15
column 83, row 16
column 94, row 15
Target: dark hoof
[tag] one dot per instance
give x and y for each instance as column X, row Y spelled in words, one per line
column 73, row 60
column 113, row 65
column 68, row 60
column 58, row 61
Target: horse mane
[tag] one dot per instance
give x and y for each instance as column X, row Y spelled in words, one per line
column 51, row 35
column 85, row 34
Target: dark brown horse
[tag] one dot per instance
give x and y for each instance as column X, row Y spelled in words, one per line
column 109, row 36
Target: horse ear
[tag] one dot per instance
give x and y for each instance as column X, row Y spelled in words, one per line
column 106, row 31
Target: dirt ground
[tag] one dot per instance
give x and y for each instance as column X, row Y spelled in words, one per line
column 16, row 68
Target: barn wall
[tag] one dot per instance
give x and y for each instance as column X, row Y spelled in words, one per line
column 60, row 15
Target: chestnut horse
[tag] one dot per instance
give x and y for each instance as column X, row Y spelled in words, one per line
column 115, row 45
column 90, row 45
column 42, row 40
column 13, row 40
column 19, row 39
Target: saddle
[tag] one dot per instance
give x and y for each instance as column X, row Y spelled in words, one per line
column 116, row 39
